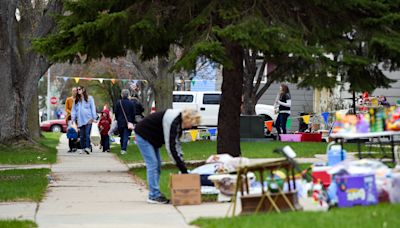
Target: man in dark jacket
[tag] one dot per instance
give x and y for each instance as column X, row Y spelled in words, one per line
column 124, row 113
column 155, row 130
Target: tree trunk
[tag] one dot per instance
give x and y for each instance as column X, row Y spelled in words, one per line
column 249, row 92
column 20, row 67
column 249, row 98
column 163, row 86
column 229, row 111
column 147, row 97
column 33, row 117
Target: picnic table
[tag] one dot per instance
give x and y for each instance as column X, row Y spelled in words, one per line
column 371, row 139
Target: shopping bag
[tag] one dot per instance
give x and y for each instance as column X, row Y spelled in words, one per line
column 95, row 134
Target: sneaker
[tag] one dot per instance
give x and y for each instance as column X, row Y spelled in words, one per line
column 69, row 151
column 123, row 152
column 87, row 150
column 108, row 151
column 80, row 151
column 158, row 200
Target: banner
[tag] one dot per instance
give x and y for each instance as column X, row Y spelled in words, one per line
column 113, row 81
column 212, row 131
column 194, row 133
column 268, row 125
column 124, row 80
column 101, row 80
column 306, row 119
column 76, row 80
column 325, row 115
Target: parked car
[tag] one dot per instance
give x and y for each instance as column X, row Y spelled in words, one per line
column 58, row 125
column 207, row 104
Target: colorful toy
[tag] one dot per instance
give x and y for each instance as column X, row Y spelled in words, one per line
column 393, row 121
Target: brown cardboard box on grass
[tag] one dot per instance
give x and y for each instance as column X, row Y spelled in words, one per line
column 185, row 189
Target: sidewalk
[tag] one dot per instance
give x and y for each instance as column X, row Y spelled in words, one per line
column 96, row 191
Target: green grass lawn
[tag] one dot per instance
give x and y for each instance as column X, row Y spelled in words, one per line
column 201, row 150
column 17, row 224
column 23, row 184
column 382, row 215
column 44, row 152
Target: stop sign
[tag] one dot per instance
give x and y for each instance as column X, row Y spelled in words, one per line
column 53, row 100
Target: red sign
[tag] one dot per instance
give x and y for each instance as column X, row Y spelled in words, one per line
column 53, row 100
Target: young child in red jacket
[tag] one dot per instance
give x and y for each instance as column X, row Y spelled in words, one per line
column 104, row 127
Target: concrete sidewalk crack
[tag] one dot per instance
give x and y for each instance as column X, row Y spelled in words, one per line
column 183, row 216
column 36, row 211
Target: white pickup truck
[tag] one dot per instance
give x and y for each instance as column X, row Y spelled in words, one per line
column 207, row 104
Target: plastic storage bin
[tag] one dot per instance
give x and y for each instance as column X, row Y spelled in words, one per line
column 311, row 137
column 290, row 137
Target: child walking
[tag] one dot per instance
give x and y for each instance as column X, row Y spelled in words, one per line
column 104, row 127
column 72, row 135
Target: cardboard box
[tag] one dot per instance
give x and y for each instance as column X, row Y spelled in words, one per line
column 185, row 189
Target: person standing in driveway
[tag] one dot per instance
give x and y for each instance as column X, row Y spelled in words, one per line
column 284, row 102
column 124, row 114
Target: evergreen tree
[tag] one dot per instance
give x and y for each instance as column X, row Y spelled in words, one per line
column 219, row 30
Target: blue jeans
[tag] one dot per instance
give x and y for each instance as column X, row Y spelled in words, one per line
column 281, row 122
column 124, row 134
column 152, row 159
column 85, row 135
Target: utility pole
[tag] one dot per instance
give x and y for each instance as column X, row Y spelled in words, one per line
column 48, row 94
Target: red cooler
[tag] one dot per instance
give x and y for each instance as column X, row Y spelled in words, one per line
column 321, row 173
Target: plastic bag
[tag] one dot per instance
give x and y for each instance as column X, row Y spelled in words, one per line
column 113, row 128
column 394, row 191
column 95, row 134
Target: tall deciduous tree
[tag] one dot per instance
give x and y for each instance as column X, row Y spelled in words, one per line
column 20, row 66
